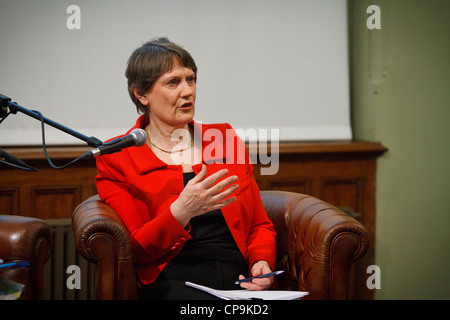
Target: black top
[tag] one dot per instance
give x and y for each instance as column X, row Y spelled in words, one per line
column 211, row 238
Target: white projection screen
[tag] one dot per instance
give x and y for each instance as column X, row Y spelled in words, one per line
column 262, row 64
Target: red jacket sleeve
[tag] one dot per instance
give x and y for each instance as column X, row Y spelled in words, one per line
column 151, row 240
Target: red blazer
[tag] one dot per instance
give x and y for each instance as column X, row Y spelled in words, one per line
column 140, row 188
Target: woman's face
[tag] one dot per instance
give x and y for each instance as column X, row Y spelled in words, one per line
column 171, row 100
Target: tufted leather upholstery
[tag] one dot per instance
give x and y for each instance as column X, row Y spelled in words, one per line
column 25, row 239
column 317, row 244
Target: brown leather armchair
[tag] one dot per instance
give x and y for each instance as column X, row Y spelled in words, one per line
column 317, row 244
column 25, row 239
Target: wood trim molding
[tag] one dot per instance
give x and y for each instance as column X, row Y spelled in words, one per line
column 319, row 147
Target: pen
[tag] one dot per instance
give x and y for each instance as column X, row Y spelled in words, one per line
column 267, row 275
column 14, row 264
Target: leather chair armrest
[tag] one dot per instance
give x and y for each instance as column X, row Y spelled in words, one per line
column 25, row 239
column 317, row 244
column 102, row 239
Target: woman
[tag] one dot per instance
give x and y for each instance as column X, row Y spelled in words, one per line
column 200, row 219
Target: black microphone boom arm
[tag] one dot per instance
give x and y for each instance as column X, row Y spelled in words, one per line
column 5, row 102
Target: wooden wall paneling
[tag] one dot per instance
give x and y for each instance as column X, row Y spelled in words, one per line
column 47, row 193
column 344, row 192
column 293, row 184
column 9, row 201
column 54, row 202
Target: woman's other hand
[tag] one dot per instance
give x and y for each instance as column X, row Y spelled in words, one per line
column 258, row 268
column 201, row 195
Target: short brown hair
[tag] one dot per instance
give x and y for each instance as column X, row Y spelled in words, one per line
column 150, row 61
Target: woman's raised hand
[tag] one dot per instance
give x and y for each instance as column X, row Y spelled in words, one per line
column 201, row 195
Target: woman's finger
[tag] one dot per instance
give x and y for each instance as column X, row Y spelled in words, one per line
column 200, row 176
column 224, row 203
column 221, row 185
column 257, row 284
column 216, row 176
column 224, row 193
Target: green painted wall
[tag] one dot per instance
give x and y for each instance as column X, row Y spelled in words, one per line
column 400, row 91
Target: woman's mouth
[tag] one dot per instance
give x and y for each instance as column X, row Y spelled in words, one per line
column 186, row 106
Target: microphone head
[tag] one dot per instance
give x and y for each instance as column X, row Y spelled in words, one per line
column 140, row 137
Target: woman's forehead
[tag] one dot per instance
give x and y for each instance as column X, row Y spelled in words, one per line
column 177, row 70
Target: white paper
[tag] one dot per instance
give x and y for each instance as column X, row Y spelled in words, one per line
column 250, row 295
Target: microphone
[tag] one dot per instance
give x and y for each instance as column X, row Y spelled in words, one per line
column 136, row 138
column 9, row 159
column 4, row 102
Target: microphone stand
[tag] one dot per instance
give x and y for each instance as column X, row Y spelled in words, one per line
column 14, row 107
column 5, row 103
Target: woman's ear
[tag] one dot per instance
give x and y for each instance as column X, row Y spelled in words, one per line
column 142, row 99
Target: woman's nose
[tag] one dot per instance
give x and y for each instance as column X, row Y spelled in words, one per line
column 187, row 89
